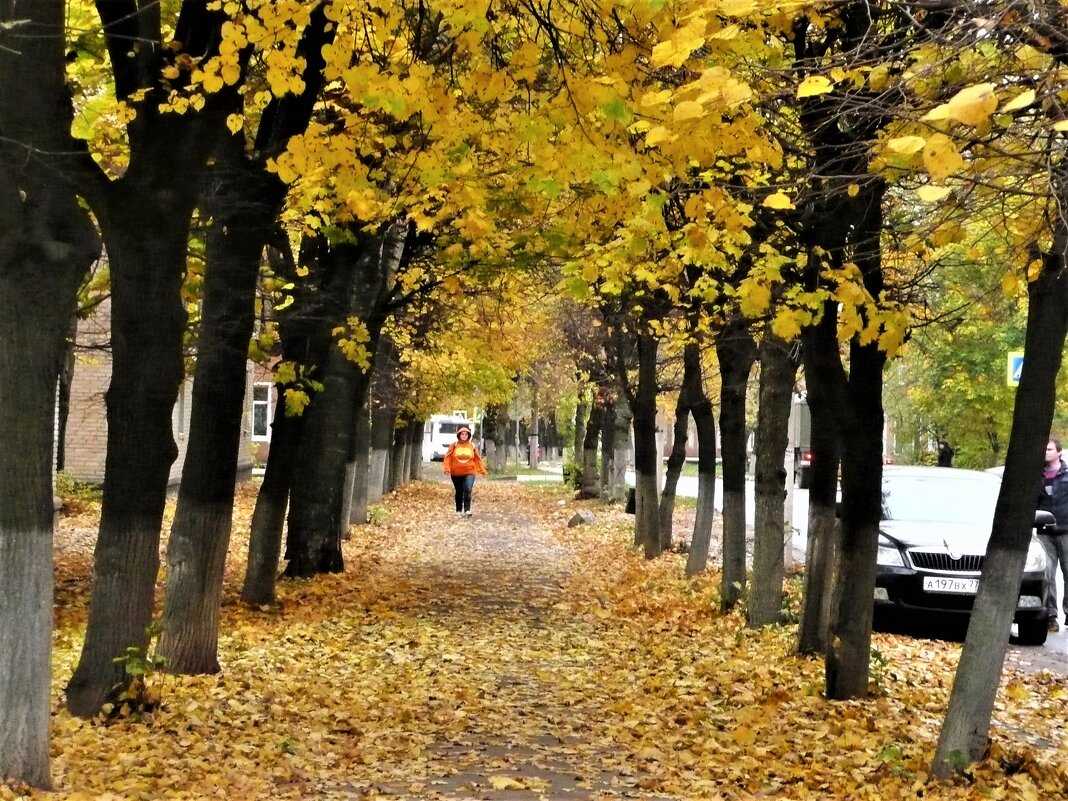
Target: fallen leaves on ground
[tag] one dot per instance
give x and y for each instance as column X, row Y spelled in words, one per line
column 506, row 656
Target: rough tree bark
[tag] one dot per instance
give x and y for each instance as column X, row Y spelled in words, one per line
column 705, row 422
column 820, row 346
column 47, row 242
column 737, row 352
column 243, row 200
column 361, row 280
column 620, row 421
column 144, row 217
column 963, row 738
column 643, row 407
column 778, row 369
column 589, row 478
column 849, row 643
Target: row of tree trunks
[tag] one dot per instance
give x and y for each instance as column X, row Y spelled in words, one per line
column 364, row 275
column 242, row 199
column 144, row 217
column 47, row 242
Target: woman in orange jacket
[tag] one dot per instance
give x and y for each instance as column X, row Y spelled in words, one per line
column 462, row 463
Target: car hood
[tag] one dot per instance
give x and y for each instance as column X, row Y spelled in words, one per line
column 959, row 537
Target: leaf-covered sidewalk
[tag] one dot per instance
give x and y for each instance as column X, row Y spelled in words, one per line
column 506, row 656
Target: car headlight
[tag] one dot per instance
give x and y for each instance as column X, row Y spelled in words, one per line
column 1036, row 557
column 888, row 554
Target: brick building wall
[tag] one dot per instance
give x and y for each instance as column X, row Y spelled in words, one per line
column 85, row 442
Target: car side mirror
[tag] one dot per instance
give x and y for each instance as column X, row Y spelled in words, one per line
column 1044, row 521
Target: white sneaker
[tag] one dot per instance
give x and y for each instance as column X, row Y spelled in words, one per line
column 467, row 513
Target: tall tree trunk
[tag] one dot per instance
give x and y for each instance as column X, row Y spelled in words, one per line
column 361, row 278
column 619, row 418
column 272, row 501
column 494, row 435
column 581, row 414
column 778, row 369
column 608, row 445
column 147, row 255
column 737, row 352
column 849, row 651
column 383, row 406
column 200, row 535
column 145, row 218
column 820, row 353
column 243, row 201
column 705, row 422
column 398, row 460
column 643, row 405
column 415, row 449
column 47, row 242
column 269, row 515
column 963, row 738
column 361, row 463
column 589, row 481
column 382, row 419
column 676, row 459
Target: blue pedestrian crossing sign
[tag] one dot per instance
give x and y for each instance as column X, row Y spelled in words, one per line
column 1015, row 366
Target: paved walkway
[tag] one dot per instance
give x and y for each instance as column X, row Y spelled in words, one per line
column 500, row 577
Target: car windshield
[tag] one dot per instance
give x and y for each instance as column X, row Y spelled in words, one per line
column 938, row 499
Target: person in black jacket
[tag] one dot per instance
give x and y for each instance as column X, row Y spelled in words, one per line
column 1054, row 499
column 945, row 454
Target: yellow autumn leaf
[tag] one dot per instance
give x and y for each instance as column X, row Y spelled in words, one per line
column 754, row 298
column 657, row 135
column 1060, row 125
column 688, row 110
column 814, row 85
column 1010, row 283
column 853, row 190
column 973, row 104
column 785, row 326
column 1022, row 100
column 655, row 98
column 929, row 193
column 506, row 783
column 234, row 122
column 906, row 145
column 778, row 200
column 940, row 157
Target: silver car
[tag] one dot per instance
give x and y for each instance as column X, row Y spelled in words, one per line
column 932, row 544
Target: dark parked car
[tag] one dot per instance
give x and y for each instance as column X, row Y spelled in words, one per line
column 936, row 523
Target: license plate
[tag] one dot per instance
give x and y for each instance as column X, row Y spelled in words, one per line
column 953, row 586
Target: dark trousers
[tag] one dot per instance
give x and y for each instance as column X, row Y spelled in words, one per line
column 463, row 486
column 1056, row 547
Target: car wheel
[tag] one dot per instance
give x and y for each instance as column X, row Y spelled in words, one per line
column 1032, row 632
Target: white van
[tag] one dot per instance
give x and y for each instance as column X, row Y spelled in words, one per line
column 440, row 432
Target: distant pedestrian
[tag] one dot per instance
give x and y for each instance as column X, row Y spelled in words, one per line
column 1054, row 499
column 462, row 463
column 945, row 454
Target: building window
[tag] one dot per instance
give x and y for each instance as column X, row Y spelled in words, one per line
column 261, row 412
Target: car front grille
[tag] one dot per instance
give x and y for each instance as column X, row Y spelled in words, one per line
column 944, row 563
